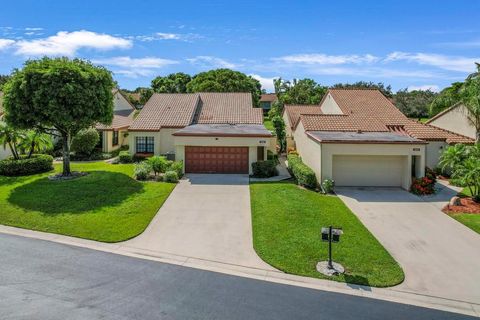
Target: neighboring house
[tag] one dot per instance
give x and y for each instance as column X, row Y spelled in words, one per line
column 115, row 135
column 266, row 101
column 454, row 119
column 210, row 132
column 291, row 116
column 359, row 138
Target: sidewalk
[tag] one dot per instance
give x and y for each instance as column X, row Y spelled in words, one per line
column 393, row 294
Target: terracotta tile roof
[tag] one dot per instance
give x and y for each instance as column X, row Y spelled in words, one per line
column 225, row 130
column 179, row 110
column 294, row 111
column 268, row 97
column 370, row 111
column 121, row 119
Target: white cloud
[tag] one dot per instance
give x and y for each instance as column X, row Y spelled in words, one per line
column 68, row 43
column 5, row 43
column 431, row 87
column 33, row 29
column 167, row 36
column 135, row 67
column 324, row 59
column 212, row 62
column 267, row 83
column 452, row 63
column 158, row 36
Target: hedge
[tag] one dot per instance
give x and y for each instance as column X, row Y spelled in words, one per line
column 37, row 163
column 304, row 175
column 125, row 157
column 264, row 169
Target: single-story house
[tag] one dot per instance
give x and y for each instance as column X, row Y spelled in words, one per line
column 209, row 132
column 115, row 135
column 266, row 101
column 359, row 138
column 454, row 119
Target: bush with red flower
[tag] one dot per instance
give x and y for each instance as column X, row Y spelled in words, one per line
column 426, row 185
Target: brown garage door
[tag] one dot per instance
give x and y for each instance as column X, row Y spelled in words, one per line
column 216, row 159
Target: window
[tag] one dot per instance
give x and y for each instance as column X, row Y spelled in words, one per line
column 115, row 138
column 144, row 144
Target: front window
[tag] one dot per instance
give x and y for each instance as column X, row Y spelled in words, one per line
column 144, row 144
column 115, row 138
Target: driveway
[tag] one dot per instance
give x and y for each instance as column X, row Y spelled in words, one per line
column 440, row 256
column 207, row 216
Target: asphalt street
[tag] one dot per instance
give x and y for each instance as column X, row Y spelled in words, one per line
column 46, row 280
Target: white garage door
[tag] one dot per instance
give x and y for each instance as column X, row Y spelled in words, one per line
column 368, row 171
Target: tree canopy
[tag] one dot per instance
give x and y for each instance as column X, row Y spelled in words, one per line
column 59, row 96
column 414, row 104
column 3, row 80
column 470, row 95
column 303, row 91
column 225, row 80
column 173, row 83
column 446, row 98
column 385, row 89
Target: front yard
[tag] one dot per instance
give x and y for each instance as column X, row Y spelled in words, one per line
column 286, row 234
column 106, row 205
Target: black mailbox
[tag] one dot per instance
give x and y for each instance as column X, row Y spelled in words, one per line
column 325, row 233
column 336, row 233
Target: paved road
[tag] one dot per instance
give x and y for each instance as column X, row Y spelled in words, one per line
column 45, row 280
column 207, row 216
column 439, row 255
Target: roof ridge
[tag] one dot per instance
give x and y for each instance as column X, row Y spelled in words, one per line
column 441, row 129
column 441, row 113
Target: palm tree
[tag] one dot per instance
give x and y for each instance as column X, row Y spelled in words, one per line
column 471, row 100
column 34, row 141
column 11, row 137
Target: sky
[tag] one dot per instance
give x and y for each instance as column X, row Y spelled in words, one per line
column 407, row 44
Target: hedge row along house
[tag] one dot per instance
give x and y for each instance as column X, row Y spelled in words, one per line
column 357, row 137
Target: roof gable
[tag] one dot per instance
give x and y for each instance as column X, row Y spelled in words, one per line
column 294, row 111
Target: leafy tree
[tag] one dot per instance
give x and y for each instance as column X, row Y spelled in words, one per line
column 3, row 80
column 34, row 141
column 10, row 137
column 414, row 104
column 386, row 90
column 470, row 95
column 59, row 96
column 173, row 83
column 85, row 141
column 446, row 98
column 159, row 164
column 145, row 94
column 225, row 80
column 279, row 126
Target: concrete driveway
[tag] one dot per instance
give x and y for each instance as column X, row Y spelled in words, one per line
column 207, row 216
column 440, row 256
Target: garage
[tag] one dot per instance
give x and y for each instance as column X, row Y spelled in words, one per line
column 368, row 171
column 206, row 159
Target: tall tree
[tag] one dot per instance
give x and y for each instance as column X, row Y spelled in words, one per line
column 414, row 104
column 59, row 96
column 3, row 80
column 173, row 83
column 385, row 89
column 226, row 80
column 446, row 98
column 470, row 95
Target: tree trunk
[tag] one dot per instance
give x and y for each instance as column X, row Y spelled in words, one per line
column 477, row 139
column 66, row 154
column 32, row 148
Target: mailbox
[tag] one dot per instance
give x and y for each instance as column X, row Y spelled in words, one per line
column 325, row 234
column 336, row 233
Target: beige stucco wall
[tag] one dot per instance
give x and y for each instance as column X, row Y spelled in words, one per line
column 288, row 132
column 456, row 120
column 250, row 142
column 108, row 139
column 309, row 150
column 433, row 151
column 163, row 140
column 329, row 106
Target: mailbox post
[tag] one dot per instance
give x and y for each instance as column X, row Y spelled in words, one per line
column 330, row 234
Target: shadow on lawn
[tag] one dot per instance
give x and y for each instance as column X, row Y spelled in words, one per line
column 96, row 190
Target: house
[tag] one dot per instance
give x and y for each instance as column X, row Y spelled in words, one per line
column 209, row 132
column 115, row 135
column 454, row 119
column 359, row 138
column 291, row 116
column 266, row 101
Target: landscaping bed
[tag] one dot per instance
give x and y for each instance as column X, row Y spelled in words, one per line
column 286, row 233
column 467, row 206
column 105, row 205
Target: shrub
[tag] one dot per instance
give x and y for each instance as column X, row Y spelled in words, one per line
column 159, row 164
column 26, row 166
column 328, row 186
column 422, row 186
column 125, row 157
column 170, row 176
column 85, row 141
column 264, row 169
column 304, row 175
column 116, row 152
column 139, row 157
column 272, row 156
column 92, row 157
column 176, row 166
column 142, row 170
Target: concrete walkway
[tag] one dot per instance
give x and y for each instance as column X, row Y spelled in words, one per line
column 207, row 216
column 440, row 256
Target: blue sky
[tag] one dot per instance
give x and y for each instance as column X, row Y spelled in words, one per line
column 408, row 44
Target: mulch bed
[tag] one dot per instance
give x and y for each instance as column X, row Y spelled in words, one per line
column 468, row 206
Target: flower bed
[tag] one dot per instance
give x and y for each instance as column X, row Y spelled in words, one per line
column 467, row 206
column 426, row 185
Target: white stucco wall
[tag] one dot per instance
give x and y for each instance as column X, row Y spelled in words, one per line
column 433, row 151
column 309, row 150
column 120, row 102
column 456, row 120
column 329, row 106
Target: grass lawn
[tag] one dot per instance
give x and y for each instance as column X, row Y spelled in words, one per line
column 106, row 205
column 286, row 234
column 470, row 220
column 268, row 124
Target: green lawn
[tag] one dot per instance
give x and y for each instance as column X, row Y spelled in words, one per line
column 106, row 205
column 268, row 124
column 286, row 234
column 471, row 220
